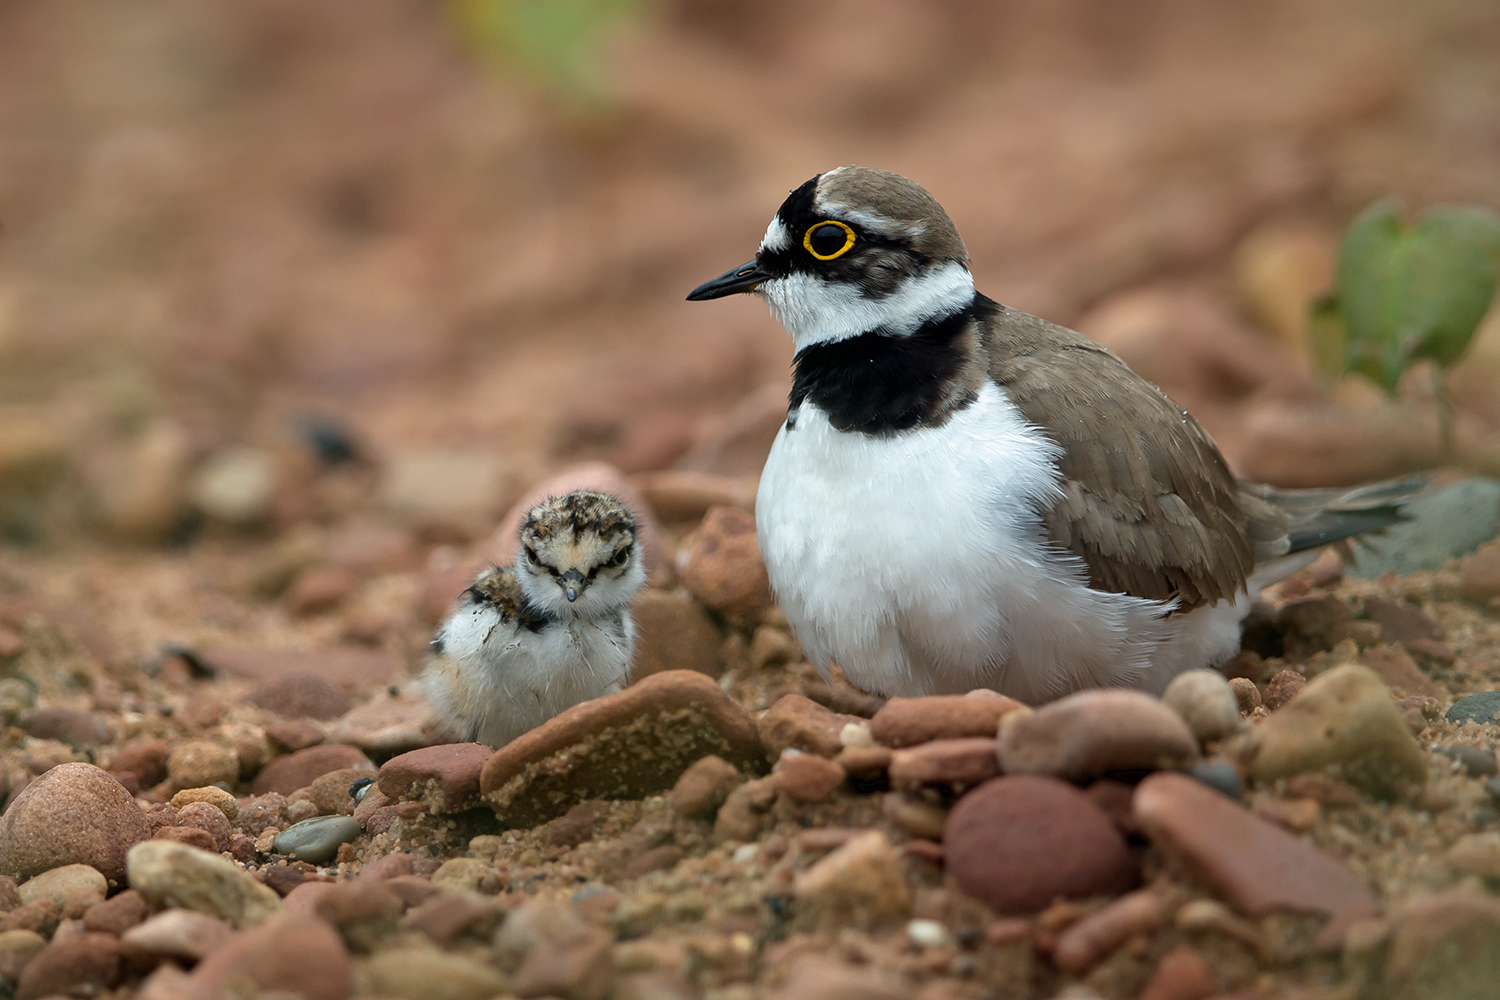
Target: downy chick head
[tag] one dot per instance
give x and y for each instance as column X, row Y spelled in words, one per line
column 855, row 250
column 579, row 555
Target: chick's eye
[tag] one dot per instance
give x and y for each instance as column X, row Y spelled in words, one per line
column 620, row 557
column 828, row 240
column 531, row 556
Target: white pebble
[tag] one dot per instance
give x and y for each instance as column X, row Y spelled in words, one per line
column 926, row 933
column 856, row 734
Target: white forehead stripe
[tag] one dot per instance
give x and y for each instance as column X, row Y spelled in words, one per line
column 777, row 238
column 816, row 311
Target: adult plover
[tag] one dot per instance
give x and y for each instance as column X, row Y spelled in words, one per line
column 964, row 495
column 531, row 640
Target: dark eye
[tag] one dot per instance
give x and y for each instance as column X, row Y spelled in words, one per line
column 620, row 557
column 531, row 556
column 828, row 240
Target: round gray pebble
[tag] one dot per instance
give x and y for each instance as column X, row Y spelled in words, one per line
column 1482, row 707
column 316, row 840
column 1220, row 775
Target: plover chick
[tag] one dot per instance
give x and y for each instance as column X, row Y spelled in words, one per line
column 967, row 496
column 533, row 639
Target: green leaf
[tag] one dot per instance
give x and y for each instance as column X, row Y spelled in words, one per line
column 1419, row 291
column 559, row 43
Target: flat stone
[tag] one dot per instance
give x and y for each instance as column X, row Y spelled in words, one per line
column 830, row 979
column 444, row 778
column 1401, row 621
column 448, row 917
column 1441, row 525
column 298, row 770
column 167, row 874
column 800, row 723
column 622, row 746
column 1254, row 865
column 346, row 668
column 904, row 722
column 859, row 881
column 69, row 725
column 316, row 840
column 72, row 814
column 1206, row 702
column 213, row 795
column 184, row 935
column 1087, row 941
column 1479, row 578
column 387, row 724
column 958, row 764
column 197, row 763
column 723, row 569
column 1483, row 708
column 300, row 696
column 290, row 735
column 1020, row 842
column 61, row 883
column 117, row 914
column 674, row 632
column 292, row 955
column 1092, row 733
column 1346, row 717
column 81, row 964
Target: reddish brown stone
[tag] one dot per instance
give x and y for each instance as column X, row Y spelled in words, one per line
column 802, row 724
column 626, row 745
column 703, row 787
column 724, row 569
column 1181, row 974
column 282, row 878
column 389, row 866
column 330, row 792
column 1399, row 671
column 682, row 496
column 904, row 722
column 292, row 954
column 298, row 770
column 1400, row 621
column 320, row 588
column 960, row 764
column 300, row 695
column 444, row 778
column 79, row 729
column 117, row 914
column 1282, row 688
column 1116, row 798
column 449, row 916
column 73, row 814
column 1479, row 577
column 1254, row 865
column 806, row 777
column 866, row 764
column 291, row 735
column 1088, row 940
column 10, row 895
column 209, row 819
column 1020, row 842
column 578, row 825
column 1092, row 733
column 146, row 759
column 412, row 890
column 673, row 632
column 190, row 835
column 657, row 859
column 82, row 963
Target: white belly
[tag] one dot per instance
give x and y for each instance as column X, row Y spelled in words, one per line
column 917, row 564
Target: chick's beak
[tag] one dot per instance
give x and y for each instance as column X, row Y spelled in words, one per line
column 745, row 278
column 573, row 584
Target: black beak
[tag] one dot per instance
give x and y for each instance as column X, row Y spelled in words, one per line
column 573, row 583
column 745, row 278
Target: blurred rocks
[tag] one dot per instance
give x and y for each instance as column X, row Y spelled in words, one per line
column 298, row 770
column 33, row 461
column 1018, row 843
column 389, row 723
column 1279, row 269
column 626, row 745
column 143, row 496
column 72, row 814
column 446, row 493
column 203, row 762
column 293, row 954
column 78, row 729
column 737, row 443
column 343, row 667
column 81, row 964
column 183, row 935
column 1256, row 866
column 300, row 695
column 236, row 486
column 1483, row 707
column 1479, row 580
column 59, row 884
column 798, row 722
column 1206, row 703
column 423, row 974
column 957, row 764
column 807, row 777
column 673, row 632
column 723, row 569
column 1443, row 945
column 1092, row 733
column 443, row 778
column 702, row 788
column 683, row 496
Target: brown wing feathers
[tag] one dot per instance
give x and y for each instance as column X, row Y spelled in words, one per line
column 1148, row 502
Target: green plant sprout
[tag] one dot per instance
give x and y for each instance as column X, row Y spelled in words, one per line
column 1403, row 292
column 556, row 43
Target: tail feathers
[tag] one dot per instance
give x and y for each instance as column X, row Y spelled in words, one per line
column 1319, row 517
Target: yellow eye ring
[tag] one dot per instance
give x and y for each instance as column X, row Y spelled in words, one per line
column 848, row 239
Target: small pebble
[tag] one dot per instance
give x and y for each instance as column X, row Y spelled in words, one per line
column 316, row 840
column 167, row 874
column 927, row 934
column 1481, row 707
column 1206, row 703
column 199, row 762
column 1282, row 688
column 1479, row 762
column 1246, row 694
column 1092, row 733
column 859, row 880
column 806, row 777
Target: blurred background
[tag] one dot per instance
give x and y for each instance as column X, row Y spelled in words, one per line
column 284, row 280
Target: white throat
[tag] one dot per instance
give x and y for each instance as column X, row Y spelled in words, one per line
column 816, row 311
